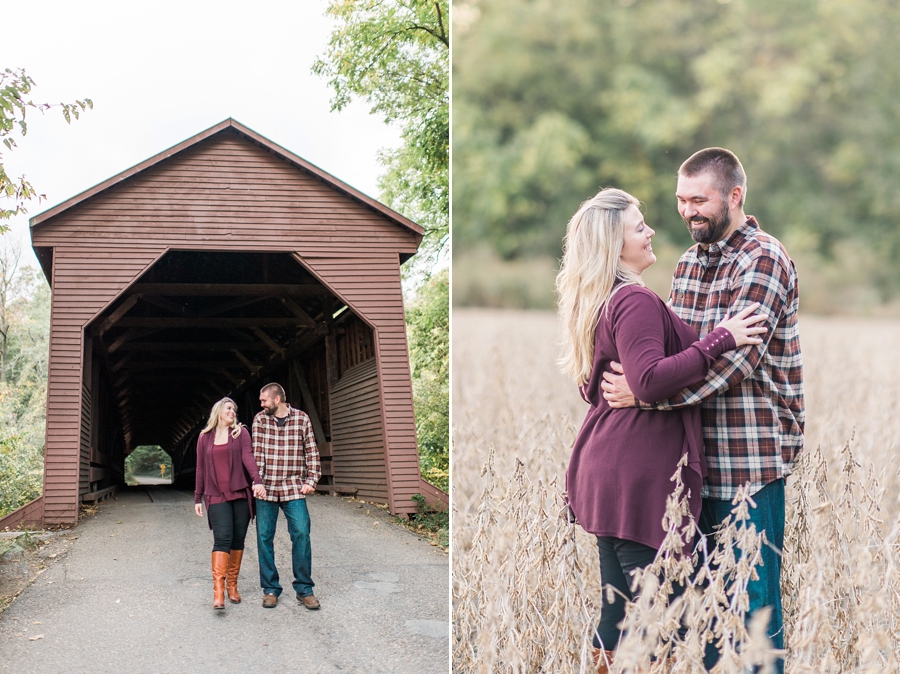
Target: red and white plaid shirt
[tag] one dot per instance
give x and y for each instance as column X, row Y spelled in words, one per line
column 287, row 456
column 752, row 403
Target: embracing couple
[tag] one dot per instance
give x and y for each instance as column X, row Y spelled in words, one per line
column 715, row 376
column 238, row 477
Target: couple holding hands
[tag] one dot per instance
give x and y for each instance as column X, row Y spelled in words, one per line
column 239, row 476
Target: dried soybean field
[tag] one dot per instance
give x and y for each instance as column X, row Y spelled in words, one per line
column 526, row 583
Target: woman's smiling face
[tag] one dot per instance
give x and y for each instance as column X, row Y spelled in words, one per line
column 226, row 416
column 637, row 252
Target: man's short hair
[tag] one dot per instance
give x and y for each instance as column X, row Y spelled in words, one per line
column 722, row 164
column 274, row 390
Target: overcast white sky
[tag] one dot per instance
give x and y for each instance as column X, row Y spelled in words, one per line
column 159, row 72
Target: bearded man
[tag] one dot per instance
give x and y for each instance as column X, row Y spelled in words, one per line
column 288, row 460
column 752, row 405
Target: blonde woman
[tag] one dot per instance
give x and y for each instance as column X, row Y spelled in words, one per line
column 619, row 473
column 225, row 471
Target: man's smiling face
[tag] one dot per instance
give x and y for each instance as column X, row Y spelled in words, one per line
column 704, row 209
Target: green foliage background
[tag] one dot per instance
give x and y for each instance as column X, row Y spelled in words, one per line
column 552, row 101
column 145, row 460
column 428, row 329
column 23, row 397
column 395, row 55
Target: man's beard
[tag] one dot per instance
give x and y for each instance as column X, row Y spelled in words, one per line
column 270, row 411
column 715, row 229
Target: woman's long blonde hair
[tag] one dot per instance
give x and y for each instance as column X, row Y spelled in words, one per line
column 588, row 276
column 214, row 418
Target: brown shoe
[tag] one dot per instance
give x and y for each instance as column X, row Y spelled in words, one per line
column 309, row 601
column 602, row 659
column 270, row 601
column 219, row 567
column 231, row 576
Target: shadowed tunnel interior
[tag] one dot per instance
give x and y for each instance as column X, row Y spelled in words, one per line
column 198, row 326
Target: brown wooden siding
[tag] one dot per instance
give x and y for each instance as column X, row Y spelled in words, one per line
column 70, row 311
column 224, row 193
column 371, row 287
column 30, row 514
column 358, row 439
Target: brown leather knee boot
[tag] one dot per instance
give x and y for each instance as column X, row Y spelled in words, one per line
column 603, row 659
column 219, row 568
column 231, row 577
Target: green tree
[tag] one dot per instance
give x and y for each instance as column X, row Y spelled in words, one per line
column 23, row 395
column 394, row 54
column 15, row 85
column 554, row 100
column 428, row 330
column 146, row 459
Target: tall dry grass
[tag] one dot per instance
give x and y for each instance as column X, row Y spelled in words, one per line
column 526, row 582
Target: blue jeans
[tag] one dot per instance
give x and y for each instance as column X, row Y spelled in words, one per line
column 768, row 516
column 297, row 516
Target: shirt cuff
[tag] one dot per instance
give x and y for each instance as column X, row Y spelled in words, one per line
column 716, row 343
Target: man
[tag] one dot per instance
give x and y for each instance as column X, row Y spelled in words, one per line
column 288, row 460
column 752, row 400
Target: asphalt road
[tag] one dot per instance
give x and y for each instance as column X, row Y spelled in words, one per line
column 134, row 594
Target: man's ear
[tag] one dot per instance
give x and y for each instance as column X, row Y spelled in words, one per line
column 737, row 193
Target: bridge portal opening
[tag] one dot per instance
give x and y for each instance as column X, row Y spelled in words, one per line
column 199, row 326
column 148, row 464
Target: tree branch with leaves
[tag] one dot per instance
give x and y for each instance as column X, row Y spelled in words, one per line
column 394, row 54
column 15, row 85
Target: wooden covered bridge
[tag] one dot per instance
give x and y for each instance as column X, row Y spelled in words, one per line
column 217, row 266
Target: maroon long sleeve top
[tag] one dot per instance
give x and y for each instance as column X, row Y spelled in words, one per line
column 234, row 461
column 623, row 460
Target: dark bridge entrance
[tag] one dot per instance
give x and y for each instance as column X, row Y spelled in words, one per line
column 217, row 266
column 198, row 326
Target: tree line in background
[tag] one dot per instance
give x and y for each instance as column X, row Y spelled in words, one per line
column 428, row 328
column 24, row 352
column 552, row 101
column 149, row 461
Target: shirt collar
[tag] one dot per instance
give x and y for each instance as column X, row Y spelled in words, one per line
column 723, row 249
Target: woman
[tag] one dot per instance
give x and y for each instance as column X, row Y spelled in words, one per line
column 620, row 472
column 225, row 469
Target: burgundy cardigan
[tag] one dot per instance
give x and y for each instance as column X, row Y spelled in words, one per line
column 623, row 460
column 243, row 466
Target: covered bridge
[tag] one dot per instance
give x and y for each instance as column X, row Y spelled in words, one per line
column 217, row 266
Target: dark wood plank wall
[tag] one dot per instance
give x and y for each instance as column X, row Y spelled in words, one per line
column 356, row 345
column 224, row 193
column 357, row 434
column 315, row 370
column 84, row 464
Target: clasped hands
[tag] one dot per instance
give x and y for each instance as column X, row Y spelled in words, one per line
column 258, row 491
column 615, row 389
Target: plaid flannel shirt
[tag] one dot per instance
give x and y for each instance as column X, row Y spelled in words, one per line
column 752, row 399
column 287, row 456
